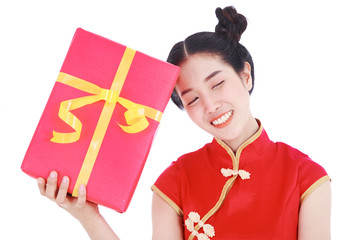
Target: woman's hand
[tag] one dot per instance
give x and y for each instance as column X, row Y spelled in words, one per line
column 82, row 210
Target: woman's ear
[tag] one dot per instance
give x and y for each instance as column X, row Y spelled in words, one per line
column 246, row 76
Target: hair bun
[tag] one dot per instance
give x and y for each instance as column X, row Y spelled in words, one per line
column 231, row 23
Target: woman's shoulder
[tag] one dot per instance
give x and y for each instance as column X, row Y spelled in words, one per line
column 193, row 156
column 309, row 173
column 186, row 163
column 296, row 156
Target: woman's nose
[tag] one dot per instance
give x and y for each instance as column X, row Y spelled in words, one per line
column 210, row 105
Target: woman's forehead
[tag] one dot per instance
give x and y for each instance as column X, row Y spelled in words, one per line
column 201, row 67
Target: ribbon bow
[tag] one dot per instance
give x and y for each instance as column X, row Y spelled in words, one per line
column 135, row 115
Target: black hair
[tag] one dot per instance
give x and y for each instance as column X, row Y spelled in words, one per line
column 224, row 42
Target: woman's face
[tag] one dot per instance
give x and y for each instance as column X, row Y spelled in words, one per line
column 215, row 97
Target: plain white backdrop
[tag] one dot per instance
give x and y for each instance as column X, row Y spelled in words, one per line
column 303, row 53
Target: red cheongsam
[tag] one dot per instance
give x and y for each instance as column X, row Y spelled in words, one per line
column 253, row 194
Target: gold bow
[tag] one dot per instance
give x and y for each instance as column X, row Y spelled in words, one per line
column 135, row 115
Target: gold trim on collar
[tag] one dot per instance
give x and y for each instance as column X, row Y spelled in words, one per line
column 236, row 157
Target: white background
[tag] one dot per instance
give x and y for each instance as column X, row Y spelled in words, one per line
column 303, row 54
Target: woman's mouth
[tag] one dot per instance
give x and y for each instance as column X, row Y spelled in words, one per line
column 222, row 120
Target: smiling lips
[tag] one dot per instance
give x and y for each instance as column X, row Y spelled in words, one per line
column 223, row 120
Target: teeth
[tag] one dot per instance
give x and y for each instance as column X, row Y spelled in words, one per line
column 222, row 119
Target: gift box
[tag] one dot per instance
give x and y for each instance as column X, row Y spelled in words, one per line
column 100, row 120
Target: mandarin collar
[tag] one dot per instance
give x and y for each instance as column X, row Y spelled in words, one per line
column 250, row 150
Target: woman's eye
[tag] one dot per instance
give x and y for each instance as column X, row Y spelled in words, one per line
column 193, row 101
column 218, row 84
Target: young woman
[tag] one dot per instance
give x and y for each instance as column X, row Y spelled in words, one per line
column 241, row 185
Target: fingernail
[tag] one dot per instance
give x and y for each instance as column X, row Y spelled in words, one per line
column 65, row 179
column 40, row 180
column 53, row 174
column 82, row 188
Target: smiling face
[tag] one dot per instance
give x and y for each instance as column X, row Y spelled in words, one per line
column 216, row 98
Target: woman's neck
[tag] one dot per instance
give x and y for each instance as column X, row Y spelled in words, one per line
column 249, row 130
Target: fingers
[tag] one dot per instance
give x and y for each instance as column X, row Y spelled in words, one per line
column 52, row 184
column 51, row 191
column 63, row 190
column 41, row 186
column 81, row 200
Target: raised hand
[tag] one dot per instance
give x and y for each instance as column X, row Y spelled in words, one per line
column 86, row 212
column 78, row 207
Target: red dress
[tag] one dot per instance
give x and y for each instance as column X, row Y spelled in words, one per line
column 253, row 194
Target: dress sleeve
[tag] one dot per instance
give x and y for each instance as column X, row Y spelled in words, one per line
column 167, row 186
column 311, row 176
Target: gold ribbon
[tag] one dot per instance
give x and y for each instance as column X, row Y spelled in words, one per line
column 135, row 115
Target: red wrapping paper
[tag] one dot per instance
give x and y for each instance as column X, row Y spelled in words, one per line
column 122, row 155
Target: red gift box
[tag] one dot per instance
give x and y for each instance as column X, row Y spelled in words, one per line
column 100, row 119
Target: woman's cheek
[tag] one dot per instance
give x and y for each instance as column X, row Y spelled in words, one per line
column 194, row 114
